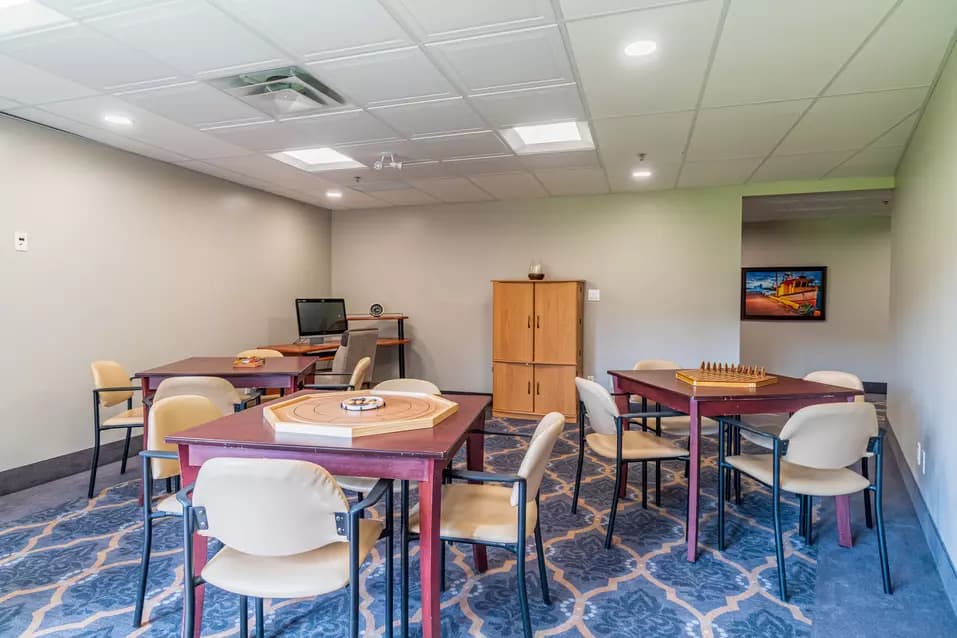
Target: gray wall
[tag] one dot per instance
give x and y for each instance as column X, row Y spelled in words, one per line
column 666, row 264
column 855, row 336
column 134, row 260
column 924, row 305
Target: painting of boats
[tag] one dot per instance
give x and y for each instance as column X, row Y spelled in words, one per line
column 774, row 293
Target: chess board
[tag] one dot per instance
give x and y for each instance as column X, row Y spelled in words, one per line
column 322, row 414
column 724, row 375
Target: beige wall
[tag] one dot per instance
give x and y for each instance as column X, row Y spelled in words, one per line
column 134, row 260
column 855, row 336
column 666, row 264
column 924, row 306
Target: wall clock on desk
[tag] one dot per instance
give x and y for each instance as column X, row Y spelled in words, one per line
column 376, row 310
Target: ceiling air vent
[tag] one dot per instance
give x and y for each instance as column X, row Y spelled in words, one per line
column 281, row 92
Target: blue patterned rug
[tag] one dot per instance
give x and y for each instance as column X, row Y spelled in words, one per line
column 72, row 570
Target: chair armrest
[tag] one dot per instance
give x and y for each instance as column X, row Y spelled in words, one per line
column 183, row 496
column 374, row 496
column 159, row 454
column 876, row 443
column 495, row 433
column 483, row 477
column 255, row 395
column 652, row 414
column 740, row 425
column 341, row 375
column 121, row 388
column 327, row 386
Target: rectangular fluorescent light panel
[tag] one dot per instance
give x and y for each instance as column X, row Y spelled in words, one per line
column 316, row 159
column 549, row 133
column 24, row 15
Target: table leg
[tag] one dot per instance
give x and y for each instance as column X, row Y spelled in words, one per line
column 401, row 334
column 200, row 548
column 621, row 400
column 475, row 459
column 430, row 544
column 842, row 506
column 293, row 385
column 694, row 470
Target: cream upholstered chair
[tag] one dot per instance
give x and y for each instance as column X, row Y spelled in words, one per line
column 161, row 461
column 287, row 532
column 354, row 346
column 354, row 382
column 112, row 385
column 610, row 440
column 220, row 391
column 264, row 353
column 809, row 458
column 408, row 385
column 501, row 509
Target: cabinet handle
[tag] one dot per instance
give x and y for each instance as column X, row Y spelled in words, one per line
column 529, row 321
column 538, row 321
column 529, row 387
column 538, row 387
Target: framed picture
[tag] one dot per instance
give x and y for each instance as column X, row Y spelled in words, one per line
column 784, row 294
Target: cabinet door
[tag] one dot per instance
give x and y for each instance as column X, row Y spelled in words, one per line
column 512, row 387
column 555, row 390
column 556, row 322
column 512, row 309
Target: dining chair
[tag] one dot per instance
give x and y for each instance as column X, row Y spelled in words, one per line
column 810, row 457
column 335, row 381
column 220, row 391
column 161, row 461
column 287, row 532
column 610, row 440
column 112, row 385
column 267, row 394
column 500, row 510
column 408, row 385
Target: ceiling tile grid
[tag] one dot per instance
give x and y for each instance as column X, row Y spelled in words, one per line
column 733, row 90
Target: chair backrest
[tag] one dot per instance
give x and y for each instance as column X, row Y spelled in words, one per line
column 829, row 436
column 408, row 385
column 220, row 391
column 656, row 364
column 269, row 507
column 600, row 407
column 169, row 416
column 836, row 377
column 359, row 372
column 264, row 353
column 110, row 374
column 355, row 345
column 536, row 456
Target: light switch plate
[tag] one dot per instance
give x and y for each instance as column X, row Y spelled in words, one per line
column 21, row 241
column 594, row 294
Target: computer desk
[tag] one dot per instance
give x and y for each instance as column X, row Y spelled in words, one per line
column 319, row 349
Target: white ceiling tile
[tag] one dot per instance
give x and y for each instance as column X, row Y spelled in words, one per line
column 441, row 19
column 87, row 57
column 18, row 18
column 662, row 137
column 757, row 129
column 871, row 162
column 367, row 154
column 31, row 85
column 355, row 199
column 430, row 169
column 510, row 185
column 514, row 59
column 569, row 159
column 461, row 145
column 405, row 197
column 222, row 173
column 530, row 106
column 573, row 9
column 788, row 52
column 667, row 80
column 348, row 127
column 84, row 9
column 897, row 136
column 663, row 175
column 850, row 121
column 451, row 189
column 194, row 103
column 367, row 178
column 321, row 28
column 272, row 171
column 573, row 181
column 6, row 104
column 905, row 51
column 397, row 75
column 804, row 166
column 717, row 172
column 477, row 165
column 424, row 118
column 191, row 36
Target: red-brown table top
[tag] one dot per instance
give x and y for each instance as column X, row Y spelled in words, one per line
column 223, row 367
column 247, row 429
column 785, row 388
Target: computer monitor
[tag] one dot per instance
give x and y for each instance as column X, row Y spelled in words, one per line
column 321, row 317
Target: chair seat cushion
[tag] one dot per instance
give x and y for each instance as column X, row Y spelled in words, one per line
column 311, row 573
column 170, row 505
column 479, row 512
column 364, row 484
column 133, row 416
column 798, row 478
column 681, row 425
column 634, row 446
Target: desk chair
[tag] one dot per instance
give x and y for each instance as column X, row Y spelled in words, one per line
column 161, row 461
column 500, row 510
column 112, row 385
column 809, row 458
column 610, row 440
column 353, row 381
column 220, row 391
column 355, row 345
column 287, row 532
column 264, row 353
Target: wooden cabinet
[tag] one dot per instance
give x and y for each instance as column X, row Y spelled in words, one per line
column 536, row 347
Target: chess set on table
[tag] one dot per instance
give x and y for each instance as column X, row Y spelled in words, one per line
column 725, row 375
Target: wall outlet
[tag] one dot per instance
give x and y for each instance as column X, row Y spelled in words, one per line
column 21, row 241
column 923, row 461
column 594, row 294
column 590, row 377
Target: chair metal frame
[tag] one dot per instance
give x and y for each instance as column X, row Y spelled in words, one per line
column 779, row 449
column 347, row 524
column 97, row 429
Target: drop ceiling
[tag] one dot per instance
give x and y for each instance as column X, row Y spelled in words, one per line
column 866, row 203
column 737, row 90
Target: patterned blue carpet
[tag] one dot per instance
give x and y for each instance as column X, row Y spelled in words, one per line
column 71, row 571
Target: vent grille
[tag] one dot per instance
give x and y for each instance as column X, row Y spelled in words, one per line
column 281, row 92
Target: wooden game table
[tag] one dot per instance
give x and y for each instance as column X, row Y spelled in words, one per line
column 415, row 455
column 789, row 394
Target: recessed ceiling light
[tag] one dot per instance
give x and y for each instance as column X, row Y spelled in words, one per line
column 641, row 173
column 641, row 47
column 549, row 133
column 316, row 159
column 23, row 15
column 117, row 118
column 334, row 194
